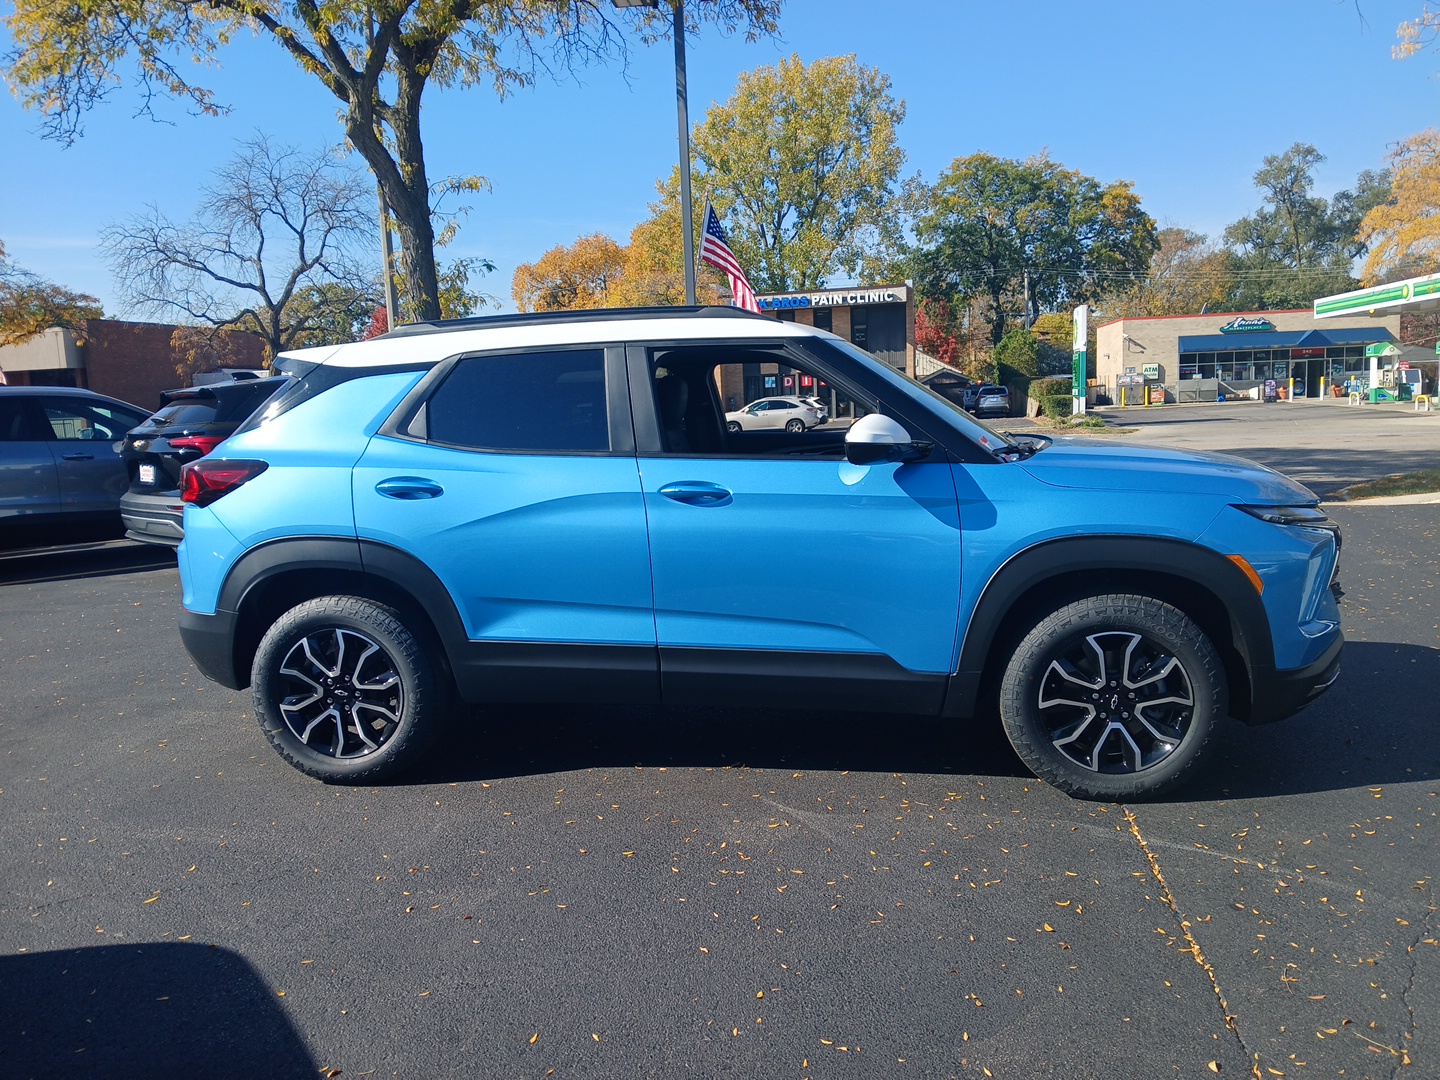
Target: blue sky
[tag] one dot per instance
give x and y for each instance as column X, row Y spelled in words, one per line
column 1182, row 99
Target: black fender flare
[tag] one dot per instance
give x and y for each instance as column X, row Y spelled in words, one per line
column 255, row 590
column 1031, row 583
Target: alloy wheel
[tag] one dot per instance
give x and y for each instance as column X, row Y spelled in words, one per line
column 341, row 694
column 1116, row 702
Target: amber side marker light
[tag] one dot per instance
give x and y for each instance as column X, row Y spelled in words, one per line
column 1248, row 571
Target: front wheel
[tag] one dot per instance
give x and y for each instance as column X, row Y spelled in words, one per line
column 1114, row 697
column 732, row 426
column 345, row 691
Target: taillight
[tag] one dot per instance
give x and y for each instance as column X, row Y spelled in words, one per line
column 205, row 480
column 203, row 443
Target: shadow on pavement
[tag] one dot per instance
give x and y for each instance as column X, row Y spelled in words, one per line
column 30, row 565
column 1375, row 726
column 526, row 740
column 157, row 1011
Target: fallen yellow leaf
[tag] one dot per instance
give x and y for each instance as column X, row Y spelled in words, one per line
column 534, row 1038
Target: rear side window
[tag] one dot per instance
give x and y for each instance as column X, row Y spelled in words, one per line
column 235, row 403
column 183, row 412
column 543, row 401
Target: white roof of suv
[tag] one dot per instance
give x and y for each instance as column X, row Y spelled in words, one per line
column 417, row 342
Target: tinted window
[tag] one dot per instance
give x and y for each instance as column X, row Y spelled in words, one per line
column 180, row 414
column 18, row 423
column 526, row 401
column 235, row 403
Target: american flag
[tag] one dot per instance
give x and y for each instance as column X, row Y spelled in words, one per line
column 716, row 251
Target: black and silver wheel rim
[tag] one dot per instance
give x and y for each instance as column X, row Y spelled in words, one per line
column 340, row 693
column 1116, row 702
column 795, row 426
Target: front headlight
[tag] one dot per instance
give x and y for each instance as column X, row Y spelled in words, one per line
column 1312, row 516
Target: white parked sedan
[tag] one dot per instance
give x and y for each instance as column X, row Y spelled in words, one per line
column 788, row 413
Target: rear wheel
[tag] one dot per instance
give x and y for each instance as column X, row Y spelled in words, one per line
column 346, row 692
column 795, row 427
column 1114, row 697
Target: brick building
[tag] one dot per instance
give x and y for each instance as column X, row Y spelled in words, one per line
column 132, row 361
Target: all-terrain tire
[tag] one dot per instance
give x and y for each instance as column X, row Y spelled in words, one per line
column 346, row 692
column 1114, row 697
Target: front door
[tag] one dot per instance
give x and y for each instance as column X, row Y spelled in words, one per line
column 787, row 567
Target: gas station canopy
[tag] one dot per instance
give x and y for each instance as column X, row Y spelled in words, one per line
column 1413, row 294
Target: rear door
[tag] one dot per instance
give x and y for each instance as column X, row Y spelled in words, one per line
column 29, row 483
column 513, row 478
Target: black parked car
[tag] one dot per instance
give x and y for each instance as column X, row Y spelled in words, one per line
column 191, row 422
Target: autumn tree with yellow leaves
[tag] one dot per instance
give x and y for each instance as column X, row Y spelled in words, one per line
column 1403, row 233
column 30, row 305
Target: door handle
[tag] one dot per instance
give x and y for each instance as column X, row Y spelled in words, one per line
column 697, row 493
column 409, row 488
column 78, row 456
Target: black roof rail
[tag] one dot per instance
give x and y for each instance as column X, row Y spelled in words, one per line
column 483, row 322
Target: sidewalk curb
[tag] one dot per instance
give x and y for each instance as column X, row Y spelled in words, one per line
column 1425, row 498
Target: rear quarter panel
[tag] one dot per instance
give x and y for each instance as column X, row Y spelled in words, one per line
column 305, row 492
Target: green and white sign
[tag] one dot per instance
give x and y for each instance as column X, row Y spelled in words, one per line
column 1241, row 325
column 1078, row 365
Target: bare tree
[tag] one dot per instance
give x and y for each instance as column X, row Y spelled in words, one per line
column 274, row 246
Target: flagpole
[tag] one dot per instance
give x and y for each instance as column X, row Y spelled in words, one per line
column 687, row 216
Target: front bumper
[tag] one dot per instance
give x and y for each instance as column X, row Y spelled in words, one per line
column 1279, row 694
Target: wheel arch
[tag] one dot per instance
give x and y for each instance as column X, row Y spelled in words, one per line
column 272, row 578
column 1199, row 581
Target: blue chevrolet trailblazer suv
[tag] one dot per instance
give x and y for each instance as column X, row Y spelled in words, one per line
column 551, row 508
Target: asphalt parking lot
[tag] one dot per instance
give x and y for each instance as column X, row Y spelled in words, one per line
column 637, row 893
column 1323, row 444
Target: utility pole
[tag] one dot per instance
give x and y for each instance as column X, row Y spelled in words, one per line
column 387, row 260
column 687, row 217
column 387, row 256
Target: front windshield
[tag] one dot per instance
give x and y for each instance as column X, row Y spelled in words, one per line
column 979, row 432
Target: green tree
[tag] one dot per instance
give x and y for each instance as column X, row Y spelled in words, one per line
column 803, row 166
column 333, row 313
column 375, row 58
column 1026, row 235
column 29, row 305
column 1017, row 356
column 1298, row 245
column 278, row 226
